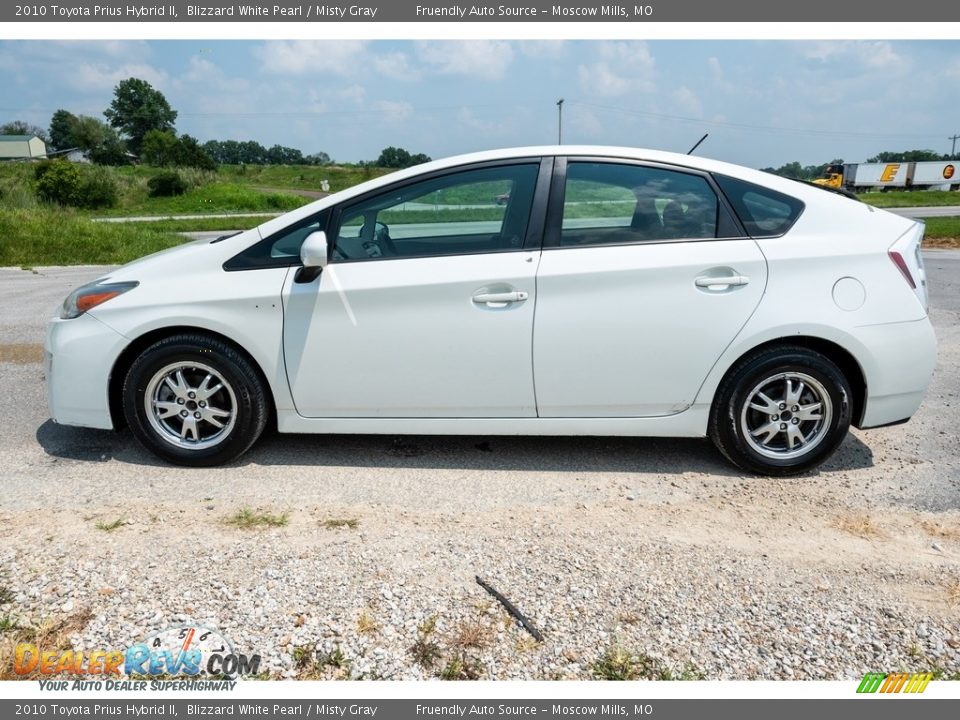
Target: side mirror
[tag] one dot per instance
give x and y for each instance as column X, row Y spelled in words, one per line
column 313, row 252
column 313, row 255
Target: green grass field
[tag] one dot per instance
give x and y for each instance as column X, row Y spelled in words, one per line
column 942, row 232
column 917, row 198
column 44, row 236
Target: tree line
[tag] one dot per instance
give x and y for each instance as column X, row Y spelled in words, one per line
column 140, row 126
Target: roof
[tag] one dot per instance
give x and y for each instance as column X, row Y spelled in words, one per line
column 16, row 138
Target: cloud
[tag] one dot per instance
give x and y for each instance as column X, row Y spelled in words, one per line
column 868, row 53
column 687, row 102
column 483, row 59
column 101, row 76
column 622, row 68
column 316, row 57
column 393, row 110
column 395, row 65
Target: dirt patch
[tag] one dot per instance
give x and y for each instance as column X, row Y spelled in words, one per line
column 21, row 353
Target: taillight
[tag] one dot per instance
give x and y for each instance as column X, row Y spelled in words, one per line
column 902, row 267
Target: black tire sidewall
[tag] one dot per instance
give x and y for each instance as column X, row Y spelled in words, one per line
column 241, row 376
column 728, row 434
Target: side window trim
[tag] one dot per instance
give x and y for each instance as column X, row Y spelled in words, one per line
column 535, row 221
column 552, row 234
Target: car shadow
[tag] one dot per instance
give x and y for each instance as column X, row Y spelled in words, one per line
column 443, row 452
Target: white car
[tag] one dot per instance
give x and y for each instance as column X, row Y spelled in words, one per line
column 616, row 291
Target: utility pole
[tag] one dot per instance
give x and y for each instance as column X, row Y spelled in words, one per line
column 952, row 138
column 560, row 121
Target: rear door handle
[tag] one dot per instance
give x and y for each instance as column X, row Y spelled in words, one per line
column 500, row 298
column 705, row 281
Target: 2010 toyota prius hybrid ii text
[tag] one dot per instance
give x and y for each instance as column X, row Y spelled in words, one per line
column 536, row 291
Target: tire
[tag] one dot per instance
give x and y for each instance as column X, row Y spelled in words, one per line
column 765, row 428
column 195, row 400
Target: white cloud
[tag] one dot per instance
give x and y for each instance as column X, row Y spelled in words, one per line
column 316, row 57
column 395, row 65
column 353, row 93
column 484, row 59
column 101, row 76
column 393, row 110
column 867, row 53
column 623, row 67
column 687, row 102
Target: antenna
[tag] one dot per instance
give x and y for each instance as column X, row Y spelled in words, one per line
column 690, row 151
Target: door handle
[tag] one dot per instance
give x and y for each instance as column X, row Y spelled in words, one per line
column 705, row 281
column 500, row 298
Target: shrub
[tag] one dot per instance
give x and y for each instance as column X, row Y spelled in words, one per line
column 65, row 184
column 59, row 182
column 98, row 188
column 167, row 184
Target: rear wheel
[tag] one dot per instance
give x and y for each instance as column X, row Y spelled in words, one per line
column 781, row 411
column 194, row 400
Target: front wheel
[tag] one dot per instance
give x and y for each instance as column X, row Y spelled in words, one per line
column 781, row 411
column 194, row 400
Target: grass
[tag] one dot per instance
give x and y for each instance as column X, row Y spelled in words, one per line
column 942, row 231
column 953, row 591
column 248, row 519
column 334, row 523
column 317, row 666
column 426, row 651
column 8, row 623
column 861, row 526
column 111, row 526
column 462, row 667
column 939, row 530
column 299, row 177
column 218, row 197
column 48, row 635
column 366, row 625
column 46, row 236
column 919, row 198
column 618, row 663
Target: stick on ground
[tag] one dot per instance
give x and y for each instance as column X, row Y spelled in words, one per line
column 512, row 609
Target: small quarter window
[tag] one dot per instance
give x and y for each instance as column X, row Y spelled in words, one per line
column 763, row 212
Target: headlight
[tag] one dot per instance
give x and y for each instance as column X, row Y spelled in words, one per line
column 89, row 296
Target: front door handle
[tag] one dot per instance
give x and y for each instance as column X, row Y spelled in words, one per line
column 499, row 299
column 706, row 281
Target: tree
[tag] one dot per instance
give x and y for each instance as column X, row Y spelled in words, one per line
column 394, row 157
column 136, row 109
column 318, row 158
column 61, row 130
column 19, row 127
column 907, row 156
column 162, row 148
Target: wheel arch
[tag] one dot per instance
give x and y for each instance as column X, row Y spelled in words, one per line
column 130, row 353
column 836, row 353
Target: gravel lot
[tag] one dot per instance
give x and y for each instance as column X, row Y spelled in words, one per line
column 653, row 546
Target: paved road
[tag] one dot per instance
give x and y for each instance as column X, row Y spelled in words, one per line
column 926, row 212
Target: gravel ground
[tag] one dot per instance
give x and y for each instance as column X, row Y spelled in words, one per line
column 655, row 547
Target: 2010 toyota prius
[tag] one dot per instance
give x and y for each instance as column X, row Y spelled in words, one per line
column 537, row 291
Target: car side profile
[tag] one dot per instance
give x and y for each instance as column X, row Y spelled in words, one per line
column 561, row 290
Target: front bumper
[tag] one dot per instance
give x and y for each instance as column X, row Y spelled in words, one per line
column 78, row 357
column 902, row 358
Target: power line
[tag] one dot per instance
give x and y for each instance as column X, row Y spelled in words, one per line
column 953, row 146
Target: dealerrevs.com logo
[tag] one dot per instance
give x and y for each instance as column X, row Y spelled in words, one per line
column 191, row 652
column 894, row 682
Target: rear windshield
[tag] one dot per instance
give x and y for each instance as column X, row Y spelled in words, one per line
column 763, row 212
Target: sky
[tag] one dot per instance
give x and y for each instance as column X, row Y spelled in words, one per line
column 764, row 103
